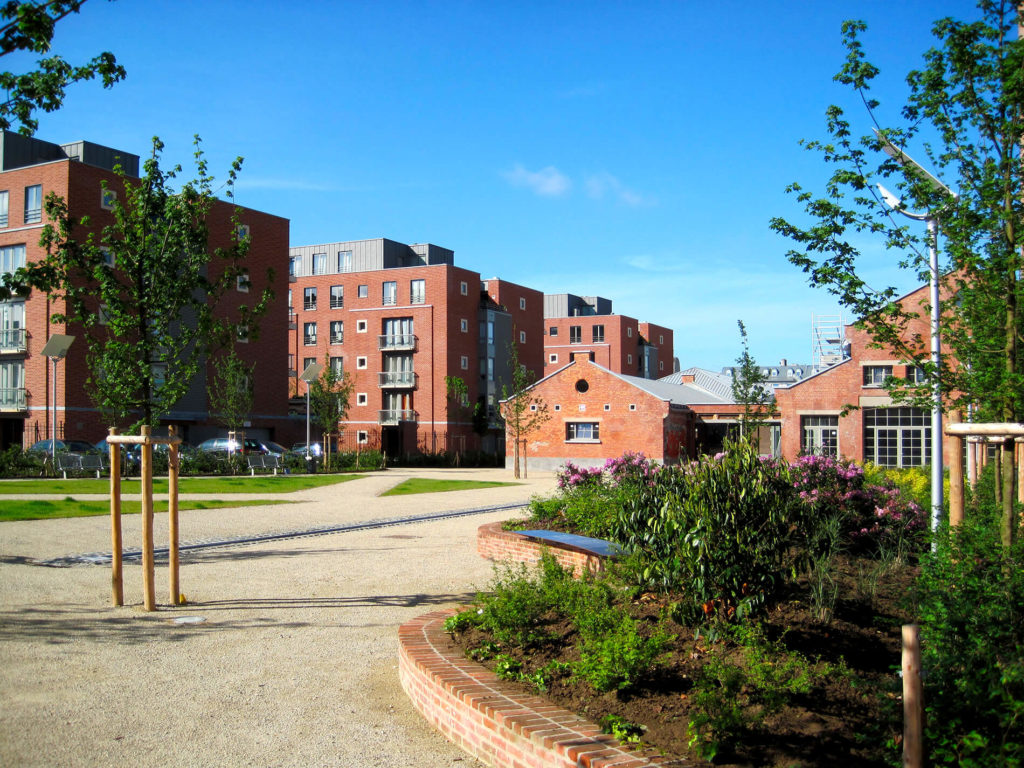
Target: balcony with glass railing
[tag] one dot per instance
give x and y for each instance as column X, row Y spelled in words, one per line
column 396, row 379
column 12, row 399
column 391, row 418
column 12, row 340
column 394, row 342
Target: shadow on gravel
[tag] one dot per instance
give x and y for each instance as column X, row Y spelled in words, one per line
column 366, row 601
column 55, row 626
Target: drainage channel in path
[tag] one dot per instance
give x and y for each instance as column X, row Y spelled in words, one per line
column 135, row 554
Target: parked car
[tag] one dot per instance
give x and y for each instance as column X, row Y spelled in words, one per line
column 315, row 449
column 63, row 446
column 227, row 445
column 270, row 448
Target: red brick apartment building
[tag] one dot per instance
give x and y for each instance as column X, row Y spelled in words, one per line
column 618, row 342
column 399, row 319
column 31, row 169
column 878, row 430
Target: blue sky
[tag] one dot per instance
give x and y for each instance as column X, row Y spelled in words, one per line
column 629, row 150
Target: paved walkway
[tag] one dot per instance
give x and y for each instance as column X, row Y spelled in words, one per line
column 291, row 659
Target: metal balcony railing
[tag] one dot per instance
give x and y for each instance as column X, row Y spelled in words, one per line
column 401, row 341
column 337, row 338
column 309, row 305
column 12, row 340
column 390, row 418
column 309, row 341
column 337, row 302
column 12, row 399
column 293, row 320
column 397, row 379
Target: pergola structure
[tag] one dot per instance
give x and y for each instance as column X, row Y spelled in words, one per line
column 977, row 435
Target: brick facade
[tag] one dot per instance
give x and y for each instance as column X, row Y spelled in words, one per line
column 617, row 342
column 80, row 185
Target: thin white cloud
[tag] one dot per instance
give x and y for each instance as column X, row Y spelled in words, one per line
column 601, row 185
column 547, row 182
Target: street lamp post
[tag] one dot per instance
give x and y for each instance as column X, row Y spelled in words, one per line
column 932, row 223
column 309, row 375
column 56, row 348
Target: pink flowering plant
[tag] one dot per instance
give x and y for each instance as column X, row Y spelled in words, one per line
column 871, row 516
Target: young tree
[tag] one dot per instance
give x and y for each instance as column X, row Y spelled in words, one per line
column 750, row 389
column 30, row 26
column 145, row 290
column 230, row 390
column 523, row 410
column 329, row 397
column 969, row 98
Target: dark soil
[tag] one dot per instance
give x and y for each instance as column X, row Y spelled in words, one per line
column 853, row 715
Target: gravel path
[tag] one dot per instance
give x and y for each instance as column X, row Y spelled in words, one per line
column 294, row 661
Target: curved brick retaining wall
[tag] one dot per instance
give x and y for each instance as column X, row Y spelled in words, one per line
column 489, row 718
column 502, row 546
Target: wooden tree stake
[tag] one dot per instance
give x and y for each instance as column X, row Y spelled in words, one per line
column 913, row 699
column 172, row 516
column 956, row 474
column 116, row 577
column 148, row 564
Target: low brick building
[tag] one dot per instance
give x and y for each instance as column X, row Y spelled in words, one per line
column 877, row 429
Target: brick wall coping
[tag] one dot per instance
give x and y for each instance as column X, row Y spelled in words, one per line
column 492, row 720
column 496, row 544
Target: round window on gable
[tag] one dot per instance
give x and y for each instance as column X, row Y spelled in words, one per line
column 582, row 386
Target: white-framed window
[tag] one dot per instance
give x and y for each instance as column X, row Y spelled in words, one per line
column 558, row 407
column 309, row 334
column 632, row 406
column 389, row 293
column 575, row 334
column 553, row 357
column 875, row 375
column 916, row 374
column 363, row 291
column 4, row 207
column 582, row 407
column 897, row 437
column 337, row 297
column 12, row 383
column 360, row 326
column 242, row 232
column 362, row 436
column 582, row 431
column 319, row 263
column 597, row 333
column 522, row 337
column 108, row 199
column 661, row 339
column 464, row 362
column 464, row 288
column 337, row 332
column 464, row 325
column 361, row 398
column 337, row 365
column 553, row 330
column 344, row 261
column 307, row 361
column 819, row 435
column 309, row 299
column 417, row 291
column 607, row 406
column 661, row 365
column 34, row 204
column 361, row 363
column 629, row 359
column 294, row 266
column 522, row 303
column 242, row 281
column 12, row 257
column 629, row 332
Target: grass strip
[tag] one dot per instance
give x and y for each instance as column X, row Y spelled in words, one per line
column 44, row 509
column 425, row 485
column 234, row 484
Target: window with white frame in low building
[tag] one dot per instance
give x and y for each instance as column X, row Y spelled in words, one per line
column 241, row 281
column 417, row 291
column 522, row 337
column 875, row 375
column 897, row 437
column 362, row 436
column 309, row 299
column 464, row 362
column 629, row 332
column 553, row 330
column 819, row 435
column 34, row 204
column 916, row 374
column 553, row 357
column 464, row 288
column 598, row 334
column 575, row 334
column 337, row 332
column 582, row 431
column 522, row 303
column 464, row 325
column 309, row 334
column 361, row 363
column 361, row 398
column 337, row 297
column 344, row 261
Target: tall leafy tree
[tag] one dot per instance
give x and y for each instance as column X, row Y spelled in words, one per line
column 966, row 109
column 230, row 390
column 750, row 389
column 145, row 290
column 329, row 397
column 523, row 410
column 30, row 26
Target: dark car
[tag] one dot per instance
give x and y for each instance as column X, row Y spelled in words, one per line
column 63, row 446
column 228, row 445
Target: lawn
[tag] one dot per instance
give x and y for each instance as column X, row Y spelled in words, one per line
column 235, row 484
column 44, row 509
column 425, row 485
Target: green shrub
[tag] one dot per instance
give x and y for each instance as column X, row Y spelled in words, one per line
column 614, row 654
column 14, row 462
column 971, row 606
column 513, row 609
